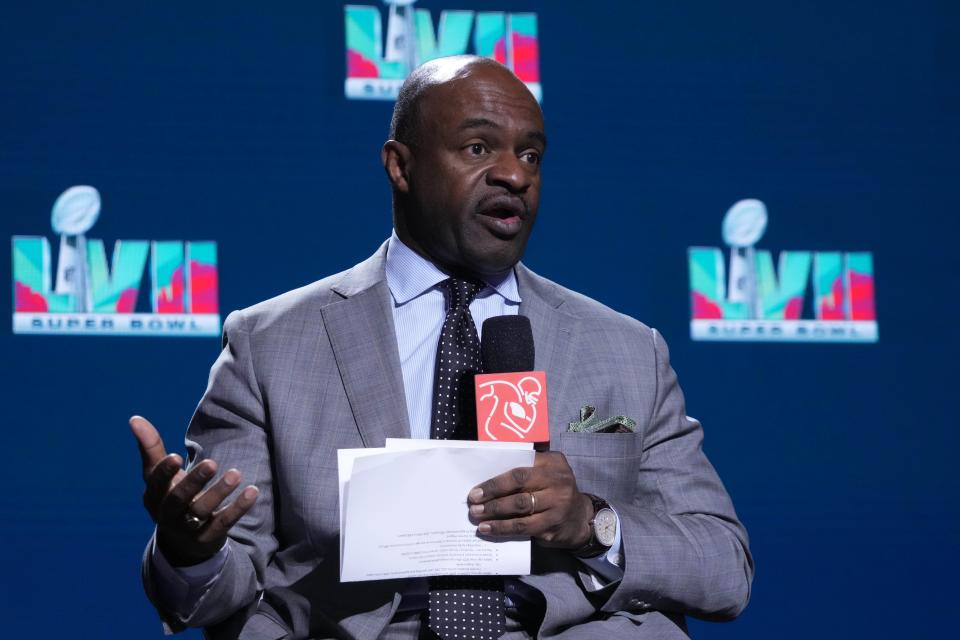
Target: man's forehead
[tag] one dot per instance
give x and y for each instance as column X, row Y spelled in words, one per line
column 483, row 93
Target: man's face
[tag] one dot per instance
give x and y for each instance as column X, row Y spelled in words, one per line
column 474, row 175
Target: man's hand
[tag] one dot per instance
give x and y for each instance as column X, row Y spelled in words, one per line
column 541, row 501
column 172, row 496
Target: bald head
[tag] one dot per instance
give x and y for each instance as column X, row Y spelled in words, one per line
column 405, row 123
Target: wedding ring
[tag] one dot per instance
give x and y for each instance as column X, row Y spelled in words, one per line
column 193, row 522
column 533, row 503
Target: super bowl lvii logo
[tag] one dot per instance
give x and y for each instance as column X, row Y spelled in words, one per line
column 756, row 302
column 376, row 70
column 94, row 297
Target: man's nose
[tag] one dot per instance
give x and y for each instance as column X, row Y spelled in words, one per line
column 508, row 172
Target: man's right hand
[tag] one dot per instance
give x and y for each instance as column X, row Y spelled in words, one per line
column 172, row 496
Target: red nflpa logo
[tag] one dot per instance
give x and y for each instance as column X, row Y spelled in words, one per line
column 512, row 407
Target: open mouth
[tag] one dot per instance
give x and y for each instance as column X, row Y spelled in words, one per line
column 503, row 215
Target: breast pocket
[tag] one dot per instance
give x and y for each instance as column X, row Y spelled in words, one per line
column 605, row 464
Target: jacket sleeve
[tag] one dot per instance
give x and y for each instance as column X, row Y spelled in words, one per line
column 230, row 427
column 685, row 550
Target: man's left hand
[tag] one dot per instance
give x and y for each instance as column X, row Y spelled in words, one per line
column 541, row 501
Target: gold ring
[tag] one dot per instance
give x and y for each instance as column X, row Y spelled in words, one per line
column 533, row 503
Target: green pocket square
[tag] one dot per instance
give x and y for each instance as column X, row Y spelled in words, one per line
column 590, row 423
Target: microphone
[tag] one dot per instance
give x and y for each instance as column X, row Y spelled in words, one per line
column 507, row 344
column 511, row 397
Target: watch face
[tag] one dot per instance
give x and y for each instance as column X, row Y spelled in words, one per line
column 605, row 527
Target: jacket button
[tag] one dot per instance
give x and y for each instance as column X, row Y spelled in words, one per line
column 638, row 604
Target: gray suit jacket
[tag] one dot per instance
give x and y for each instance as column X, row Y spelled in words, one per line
column 317, row 369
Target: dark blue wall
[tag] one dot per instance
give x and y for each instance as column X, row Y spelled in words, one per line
column 228, row 122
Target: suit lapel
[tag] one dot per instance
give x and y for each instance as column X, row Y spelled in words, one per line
column 364, row 342
column 553, row 329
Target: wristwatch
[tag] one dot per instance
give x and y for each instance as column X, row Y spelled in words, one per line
column 603, row 529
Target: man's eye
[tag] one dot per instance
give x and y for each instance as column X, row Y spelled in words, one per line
column 477, row 149
column 532, row 157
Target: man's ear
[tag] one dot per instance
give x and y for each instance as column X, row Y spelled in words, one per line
column 397, row 159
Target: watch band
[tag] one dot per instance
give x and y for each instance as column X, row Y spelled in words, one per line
column 593, row 546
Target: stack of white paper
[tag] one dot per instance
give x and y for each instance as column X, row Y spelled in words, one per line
column 403, row 510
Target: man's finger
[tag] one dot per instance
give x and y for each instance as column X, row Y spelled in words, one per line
column 516, row 527
column 149, row 441
column 513, row 481
column 178, row 499
column 224, row 519
column 524, row 503
column 207, row 502
column 158, row 481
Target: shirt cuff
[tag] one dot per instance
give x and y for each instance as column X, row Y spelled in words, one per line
column 607, row 568
column 180, row 588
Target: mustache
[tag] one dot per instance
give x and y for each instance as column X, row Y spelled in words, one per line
column 503, row 205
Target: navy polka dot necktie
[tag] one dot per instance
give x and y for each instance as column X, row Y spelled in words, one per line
column 461, row 607
column 458, row 359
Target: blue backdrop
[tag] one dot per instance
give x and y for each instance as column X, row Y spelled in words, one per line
column 228, row 122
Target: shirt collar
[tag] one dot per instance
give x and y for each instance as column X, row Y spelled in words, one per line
column 410, row 275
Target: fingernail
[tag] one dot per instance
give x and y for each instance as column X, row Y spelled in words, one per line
column 475, row 494
column 231, row 478
column 484, row 528
column 205, row 471
column 476, row 509
column 250, row 493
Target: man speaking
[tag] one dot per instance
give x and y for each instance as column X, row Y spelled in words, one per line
column 632, row 528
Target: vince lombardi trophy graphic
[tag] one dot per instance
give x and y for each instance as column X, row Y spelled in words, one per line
column 743, row 226
column 401, row 34
column 74, row 212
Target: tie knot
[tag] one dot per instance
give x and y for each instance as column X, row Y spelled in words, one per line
column 461, row 292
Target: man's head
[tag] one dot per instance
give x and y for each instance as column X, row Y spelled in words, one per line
column 467, row 139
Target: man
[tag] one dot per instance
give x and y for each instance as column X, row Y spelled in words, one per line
column 352, row 359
